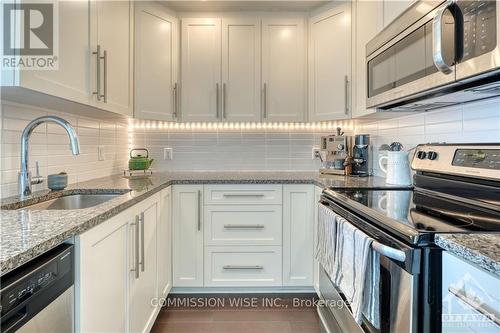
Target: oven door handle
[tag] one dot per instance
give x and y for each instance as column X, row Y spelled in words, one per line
column 389, row 252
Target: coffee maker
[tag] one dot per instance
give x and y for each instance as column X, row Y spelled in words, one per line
column 336, row 150
column 361, row 155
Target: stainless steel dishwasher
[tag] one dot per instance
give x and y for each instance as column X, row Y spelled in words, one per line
column 39, row 296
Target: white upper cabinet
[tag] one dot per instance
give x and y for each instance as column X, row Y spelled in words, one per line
column 283, row 70
column 71, row 80
column 330, row 64
column 156, row 62
column 201, row 74
column 393, row 8
column 368, row 21
column 241, row 70
column 111, row 65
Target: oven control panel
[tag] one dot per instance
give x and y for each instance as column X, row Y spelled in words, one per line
column 471, row 160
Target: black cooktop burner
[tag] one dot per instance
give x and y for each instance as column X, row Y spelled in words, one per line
column 417, row 212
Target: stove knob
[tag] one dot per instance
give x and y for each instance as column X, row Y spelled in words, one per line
column 421, row 155
column 432, row 155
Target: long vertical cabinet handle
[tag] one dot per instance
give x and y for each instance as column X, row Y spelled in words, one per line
column 199, row 210
column 136, row 247
column 143, row 261
column 105, row 90
column 98, row 74
column 346, row 94
column 264, row 101
column 224, row 101
column 174, row 113
column 217, row 102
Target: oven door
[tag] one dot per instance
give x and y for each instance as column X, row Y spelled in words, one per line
column 481, row 38
column 417, row 60
column 398, row 286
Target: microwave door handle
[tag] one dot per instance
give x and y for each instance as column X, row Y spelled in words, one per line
column 437, row 39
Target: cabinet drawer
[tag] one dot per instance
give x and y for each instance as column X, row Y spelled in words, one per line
column 243, row 194
column 243, row 225
column 471, row 297
column 242, row 266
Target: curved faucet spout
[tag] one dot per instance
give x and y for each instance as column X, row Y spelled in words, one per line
column 25, row 180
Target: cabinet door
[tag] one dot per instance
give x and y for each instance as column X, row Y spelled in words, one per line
column 72, row 78
column 330, row 65
column 201, row 74
column 143, row 286
column 368, row 21
column 102, row 275
column 298, row 241
column 156, row 52
column 317, row 195
column 113, row 23
column 283, row 70
column 188, row 240
column 241, row 70
column 393, row 8
column 164, row 247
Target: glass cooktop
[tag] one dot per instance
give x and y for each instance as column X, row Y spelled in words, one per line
column 418, row 211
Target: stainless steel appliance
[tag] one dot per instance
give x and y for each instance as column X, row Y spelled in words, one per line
column 39, row 296
column 336, row 150
column 436, row 53
column 361, row 156
column 457, row 190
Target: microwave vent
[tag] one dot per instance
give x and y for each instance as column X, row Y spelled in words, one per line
column 492, row 88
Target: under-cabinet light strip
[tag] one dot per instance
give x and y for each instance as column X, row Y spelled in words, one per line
column 135, row 124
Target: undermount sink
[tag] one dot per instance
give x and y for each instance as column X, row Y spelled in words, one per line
column 74, row 201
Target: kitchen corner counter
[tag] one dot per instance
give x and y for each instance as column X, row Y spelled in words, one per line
column 27, row 234
column 482, row 250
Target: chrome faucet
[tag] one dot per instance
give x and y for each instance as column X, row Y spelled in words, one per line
column 25, row 179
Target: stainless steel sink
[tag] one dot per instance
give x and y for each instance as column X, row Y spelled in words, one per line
column 73, row 201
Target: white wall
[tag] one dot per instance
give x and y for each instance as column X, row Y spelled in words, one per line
column 468, row 123
column 49, row 145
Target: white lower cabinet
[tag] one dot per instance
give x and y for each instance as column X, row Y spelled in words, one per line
column 317, row 195
column 242, row 266
column 164, row 243
column 143, row 278
column 117, row 271
column 298, row 238
column 188, row 236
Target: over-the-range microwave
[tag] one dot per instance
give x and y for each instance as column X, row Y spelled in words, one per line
column 435, row 54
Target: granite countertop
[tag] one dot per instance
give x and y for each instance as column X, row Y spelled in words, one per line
column 26, row 234
column 483, row 250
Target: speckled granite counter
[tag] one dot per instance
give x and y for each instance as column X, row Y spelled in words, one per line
column 26, row 234
column 482, row 250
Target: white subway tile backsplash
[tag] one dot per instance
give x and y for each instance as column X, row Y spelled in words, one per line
column 49, row 145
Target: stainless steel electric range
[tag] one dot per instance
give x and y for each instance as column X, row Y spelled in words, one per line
column 456, row 190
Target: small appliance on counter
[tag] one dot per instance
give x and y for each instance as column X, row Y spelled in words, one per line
column 361, row 156
column 336, row 149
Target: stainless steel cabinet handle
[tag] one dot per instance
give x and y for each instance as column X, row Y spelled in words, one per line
column 98, row 74
column 174, row 111
column 228, row 195
column 264, row 101
column 143, row 261
column 223, row 101
column 243, row 226
column 346, row 94
column 217, row 102
column 256, row 267
column 105, row 91
column 136, row 248
column 437, row 39
column 199, row 210
column 482, row 308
